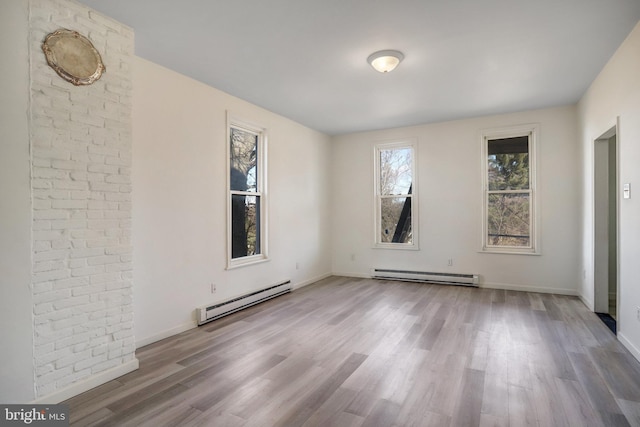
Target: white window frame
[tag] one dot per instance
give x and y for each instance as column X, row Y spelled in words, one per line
column 396, row 144
column 261, row 191
column 533, row 131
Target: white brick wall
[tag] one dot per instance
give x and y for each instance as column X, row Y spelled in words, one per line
column 81, row 189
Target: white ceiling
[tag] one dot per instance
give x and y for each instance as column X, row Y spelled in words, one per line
column 306, row 59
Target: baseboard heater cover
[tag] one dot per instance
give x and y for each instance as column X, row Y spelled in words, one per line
column 208, row 313
column 426, row 277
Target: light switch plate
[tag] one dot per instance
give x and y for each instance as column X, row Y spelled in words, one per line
column 626, row 191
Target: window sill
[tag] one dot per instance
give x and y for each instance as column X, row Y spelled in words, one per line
column 246, row 261
column 396, row 247
column 504, row 251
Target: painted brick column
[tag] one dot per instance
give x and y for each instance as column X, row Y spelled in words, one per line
column 81, row 192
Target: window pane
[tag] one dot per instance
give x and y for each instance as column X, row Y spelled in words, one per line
column 396, row 220
column 245, row 225
column 509, row 222
column 244, row 156
column 395, row 171
column 508, row 163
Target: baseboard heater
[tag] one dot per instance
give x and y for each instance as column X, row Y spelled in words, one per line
column 426, row 277
column 212, row 312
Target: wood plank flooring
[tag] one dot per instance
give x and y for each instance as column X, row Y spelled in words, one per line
column 358, row 352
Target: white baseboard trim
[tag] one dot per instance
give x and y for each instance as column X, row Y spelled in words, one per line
column 586, row 302
column 356, row 275
column 490, row 285
column 526, row 288
column 629, row 346
column 166, row 334
column 310, row 281
column 86, row 385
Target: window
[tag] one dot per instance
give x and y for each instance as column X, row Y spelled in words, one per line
column 396, row 205
column 509, row 190
column 246, row 212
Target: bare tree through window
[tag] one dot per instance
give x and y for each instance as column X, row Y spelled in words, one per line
column 508, row 204
column 395, row 185
column 245, row 194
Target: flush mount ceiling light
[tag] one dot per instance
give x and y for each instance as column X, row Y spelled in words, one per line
column 385, row 60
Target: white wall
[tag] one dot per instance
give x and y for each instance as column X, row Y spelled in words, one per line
column 450, row 203
column 16, row 336
column 615, row 94
column 179, row 213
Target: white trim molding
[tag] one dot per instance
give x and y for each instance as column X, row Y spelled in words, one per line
column 86, row 385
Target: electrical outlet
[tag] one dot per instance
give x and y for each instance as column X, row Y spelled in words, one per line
column 450, row 262
column 213, row 288
column 638, row 313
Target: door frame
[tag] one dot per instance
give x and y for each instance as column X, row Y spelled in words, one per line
column 614, row 130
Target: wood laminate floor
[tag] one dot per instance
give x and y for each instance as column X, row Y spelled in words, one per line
column 357, row 352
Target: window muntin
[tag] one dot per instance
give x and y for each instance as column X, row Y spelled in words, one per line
column 395, row 194
column 246, row 229
column 509, row 199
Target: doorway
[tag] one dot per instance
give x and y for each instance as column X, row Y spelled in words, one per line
column 606, row 228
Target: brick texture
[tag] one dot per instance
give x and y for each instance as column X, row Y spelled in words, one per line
column 81, row 189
